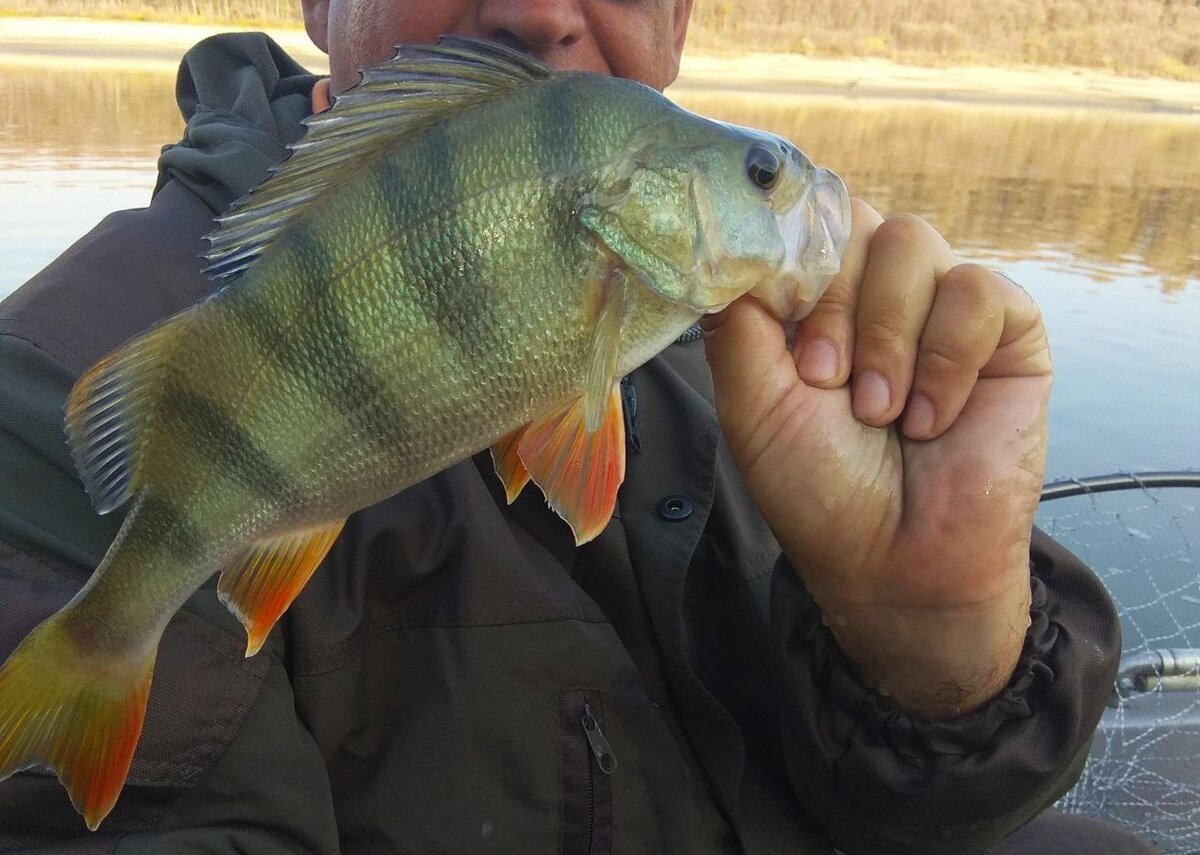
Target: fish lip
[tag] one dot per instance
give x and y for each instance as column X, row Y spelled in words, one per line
column 815, row 231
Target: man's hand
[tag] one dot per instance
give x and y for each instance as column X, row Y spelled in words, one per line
column 897, row 451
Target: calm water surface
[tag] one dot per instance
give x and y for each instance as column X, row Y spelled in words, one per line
column 1097, row 213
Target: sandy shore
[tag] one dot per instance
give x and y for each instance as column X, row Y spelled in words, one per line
column 146, row 45
column 157, row 47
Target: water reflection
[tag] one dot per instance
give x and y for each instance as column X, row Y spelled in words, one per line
column 1101, row 188
column 77, row 145
column 75, row 117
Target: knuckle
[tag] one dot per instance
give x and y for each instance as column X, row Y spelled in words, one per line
column 973, row 280
column 837, row 301
column 943, row 360
column 902, row 230
column 1029, row 306
column 881, row 337
column 979, row 291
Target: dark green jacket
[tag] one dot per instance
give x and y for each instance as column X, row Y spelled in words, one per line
column 426, row 692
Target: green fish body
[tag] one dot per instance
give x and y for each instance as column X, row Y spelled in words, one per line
column 467, row 251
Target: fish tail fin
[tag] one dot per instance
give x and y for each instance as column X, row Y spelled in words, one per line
column 74, row 711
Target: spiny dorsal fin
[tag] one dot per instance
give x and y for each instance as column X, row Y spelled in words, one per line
column 417, row 88
column 110, row 408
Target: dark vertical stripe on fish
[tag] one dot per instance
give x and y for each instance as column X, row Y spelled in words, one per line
column 435, row 156
column 559, row 127
column 223, row 442
column 316, row 346
column 561, row 143
column 162, row 524
column 396, row 190
column 452, row 287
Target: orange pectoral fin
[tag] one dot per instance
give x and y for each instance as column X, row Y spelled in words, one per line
column 260, row 584
column 578, row 471
column 508, row 464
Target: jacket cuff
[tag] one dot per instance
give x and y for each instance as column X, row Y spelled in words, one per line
column 912, row 735
column 889, row 781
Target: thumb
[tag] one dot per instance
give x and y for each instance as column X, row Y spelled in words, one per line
column 751, row 367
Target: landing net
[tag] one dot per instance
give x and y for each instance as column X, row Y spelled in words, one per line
column 1141, row 534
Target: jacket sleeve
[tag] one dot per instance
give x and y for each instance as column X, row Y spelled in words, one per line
column 881, row 781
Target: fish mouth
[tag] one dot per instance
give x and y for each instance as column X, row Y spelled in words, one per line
column 815, row 230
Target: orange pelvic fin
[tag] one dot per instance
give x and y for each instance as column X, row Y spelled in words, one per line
column 578, row 470
column 260, row 584
column 74, row 712
column 509, row 466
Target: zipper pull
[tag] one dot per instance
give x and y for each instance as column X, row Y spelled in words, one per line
column 605, row 759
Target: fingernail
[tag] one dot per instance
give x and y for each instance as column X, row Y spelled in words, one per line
column 872, row 397
column 818, row 361
column 918, row 420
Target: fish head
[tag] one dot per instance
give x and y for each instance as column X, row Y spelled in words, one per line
column 811, row 210
column 706, row 212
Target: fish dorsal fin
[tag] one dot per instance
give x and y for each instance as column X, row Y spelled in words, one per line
column 395, row 100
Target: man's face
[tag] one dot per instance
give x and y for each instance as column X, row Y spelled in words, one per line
column 637, row 39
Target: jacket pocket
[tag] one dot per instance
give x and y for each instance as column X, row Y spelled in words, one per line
column 587, row 763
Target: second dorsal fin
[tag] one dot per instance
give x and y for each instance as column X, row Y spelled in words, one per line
column 395, row 100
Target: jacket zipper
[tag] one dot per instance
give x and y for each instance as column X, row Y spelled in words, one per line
column 601, row 750
column 604, row 760
column 588, row 764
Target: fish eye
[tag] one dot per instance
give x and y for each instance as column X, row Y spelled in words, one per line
column 763, row 166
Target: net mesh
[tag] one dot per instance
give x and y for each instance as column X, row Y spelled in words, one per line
column 1144, row 768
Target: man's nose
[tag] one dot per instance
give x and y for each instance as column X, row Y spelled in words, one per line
column 539, row 27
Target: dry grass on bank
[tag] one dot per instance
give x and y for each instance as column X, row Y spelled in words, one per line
column 234, row 12
column 1159, row 37
column 1156, row 37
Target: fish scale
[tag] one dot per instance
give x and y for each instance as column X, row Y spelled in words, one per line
column 467, row 250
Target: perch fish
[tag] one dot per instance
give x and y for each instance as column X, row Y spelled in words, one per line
column 468, row 250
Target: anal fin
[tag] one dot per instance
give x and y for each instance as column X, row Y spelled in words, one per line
column 578, row 470
column 260, row 584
